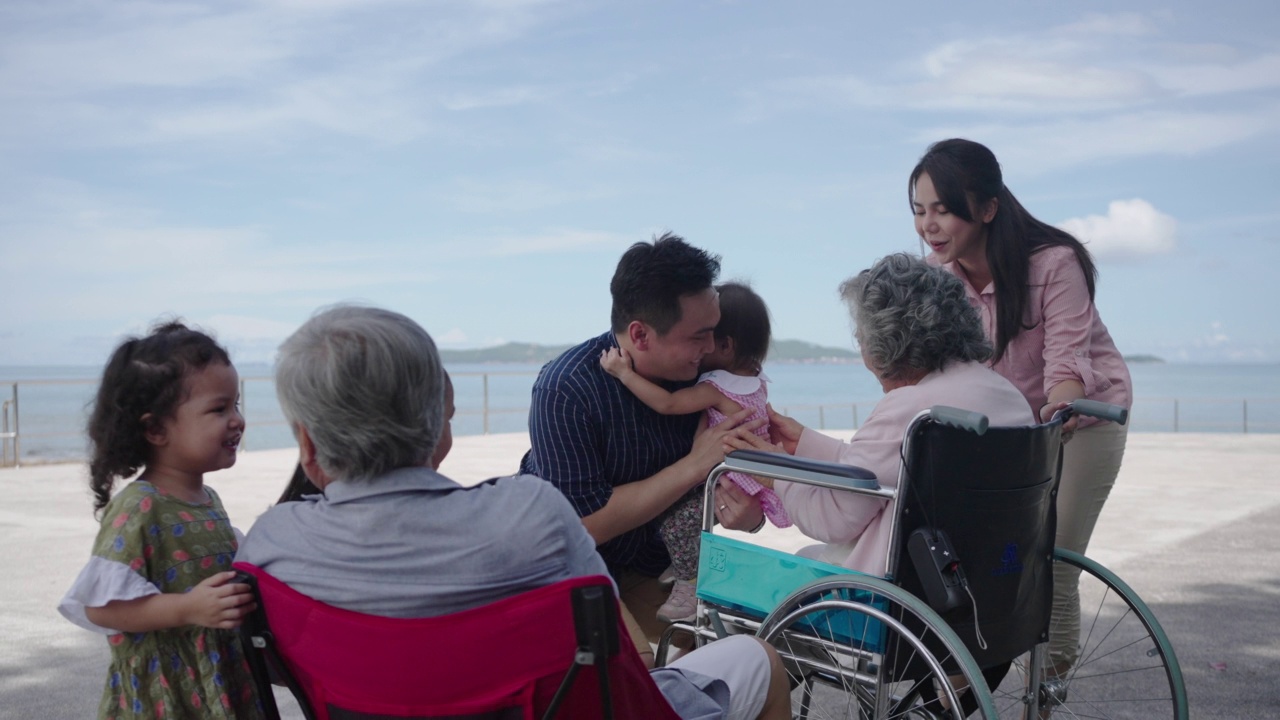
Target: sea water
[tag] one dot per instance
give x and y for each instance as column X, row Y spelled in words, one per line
column 54, row 401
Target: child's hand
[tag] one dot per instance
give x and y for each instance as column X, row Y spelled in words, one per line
column 219, row 603
column 615, row 361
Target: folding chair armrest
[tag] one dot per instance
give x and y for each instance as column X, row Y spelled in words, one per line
column 778, row 466
column 265, row 664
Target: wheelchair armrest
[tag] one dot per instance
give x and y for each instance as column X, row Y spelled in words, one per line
column 835, row 476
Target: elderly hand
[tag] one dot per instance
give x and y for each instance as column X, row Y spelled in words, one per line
column 735, row 509
column 784, row 430
column 743, row 439
column 751, row 441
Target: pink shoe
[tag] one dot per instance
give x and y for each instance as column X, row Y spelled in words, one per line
column 667, row 577
column 682, row 605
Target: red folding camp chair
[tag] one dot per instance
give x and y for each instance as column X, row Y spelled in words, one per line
column 537, row 654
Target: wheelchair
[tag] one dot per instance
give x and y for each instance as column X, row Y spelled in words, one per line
column 959, row 623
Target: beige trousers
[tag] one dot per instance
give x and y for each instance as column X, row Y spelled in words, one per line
column 1090, row 463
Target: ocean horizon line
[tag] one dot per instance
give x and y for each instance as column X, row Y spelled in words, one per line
column 4, row 379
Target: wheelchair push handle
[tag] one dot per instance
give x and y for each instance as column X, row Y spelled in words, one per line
column 974, row 422
column 1104, row 411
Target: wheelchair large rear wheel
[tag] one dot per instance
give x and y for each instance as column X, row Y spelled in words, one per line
column 1126, row 667
column 860, row 647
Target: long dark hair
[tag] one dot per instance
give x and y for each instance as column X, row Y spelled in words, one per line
column 298, row 486
column 143, row 377
column 966, row 175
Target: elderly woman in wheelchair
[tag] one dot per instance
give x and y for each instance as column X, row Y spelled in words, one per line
column 936, row 570
column 925, row 344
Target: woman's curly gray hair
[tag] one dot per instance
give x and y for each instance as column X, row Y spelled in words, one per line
column 910, row 316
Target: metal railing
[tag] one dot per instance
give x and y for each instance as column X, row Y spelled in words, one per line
column 56, row 435
column 839, row 410
column 10, row 438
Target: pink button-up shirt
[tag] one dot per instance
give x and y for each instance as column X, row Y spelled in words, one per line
column 1067, row 340
column 857, row 526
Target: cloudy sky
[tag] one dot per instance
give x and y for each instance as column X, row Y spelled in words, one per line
column 480, row 165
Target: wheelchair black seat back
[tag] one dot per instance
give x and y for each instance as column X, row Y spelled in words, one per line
column 992, row 495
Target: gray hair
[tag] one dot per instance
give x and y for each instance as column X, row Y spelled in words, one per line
column 911, row 316
column 368, row 386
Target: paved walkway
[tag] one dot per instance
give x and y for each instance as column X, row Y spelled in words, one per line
column 1191, row 525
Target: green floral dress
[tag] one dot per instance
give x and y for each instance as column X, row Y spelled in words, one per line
column 149, row 538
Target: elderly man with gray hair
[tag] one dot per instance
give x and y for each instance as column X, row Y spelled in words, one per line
column 365, row 394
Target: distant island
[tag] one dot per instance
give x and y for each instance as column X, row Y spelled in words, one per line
column 1153, row 359
column 511, row 352
column 800, row 351
column 796, row 351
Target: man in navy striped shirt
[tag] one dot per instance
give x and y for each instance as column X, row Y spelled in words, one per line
column 620, row 464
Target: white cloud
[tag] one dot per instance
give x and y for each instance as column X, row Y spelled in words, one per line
column 1063, row 70
column 1107, row 86
column 1029, row 75
column 1217, row 337
column 73, row 256
column 1114, row 24
column 1217, row 78
column 247, row 338
column 500, row 196
column 552, row 242
column 250, row 328
column 111, row 73
column 1036, row 148
column 347, row 104
column 1217, row 345
column 496, row 97
column 136, row 45
column 455, row 337
column 1131, row 228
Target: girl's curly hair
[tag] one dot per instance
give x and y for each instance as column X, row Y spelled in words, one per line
column 142, row 385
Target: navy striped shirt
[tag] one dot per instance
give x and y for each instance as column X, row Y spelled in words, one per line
column 589, row 434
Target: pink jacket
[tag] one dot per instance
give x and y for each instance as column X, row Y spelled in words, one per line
column 1067, row 341
column 857, row 525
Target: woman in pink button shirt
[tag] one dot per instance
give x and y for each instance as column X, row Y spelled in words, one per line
column 1033, row 286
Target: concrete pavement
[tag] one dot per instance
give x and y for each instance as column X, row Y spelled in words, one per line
column 1191, row 525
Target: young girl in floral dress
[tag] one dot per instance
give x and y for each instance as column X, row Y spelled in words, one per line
column 158, row 582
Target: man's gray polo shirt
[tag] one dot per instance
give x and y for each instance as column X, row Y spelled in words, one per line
column 414, row 543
